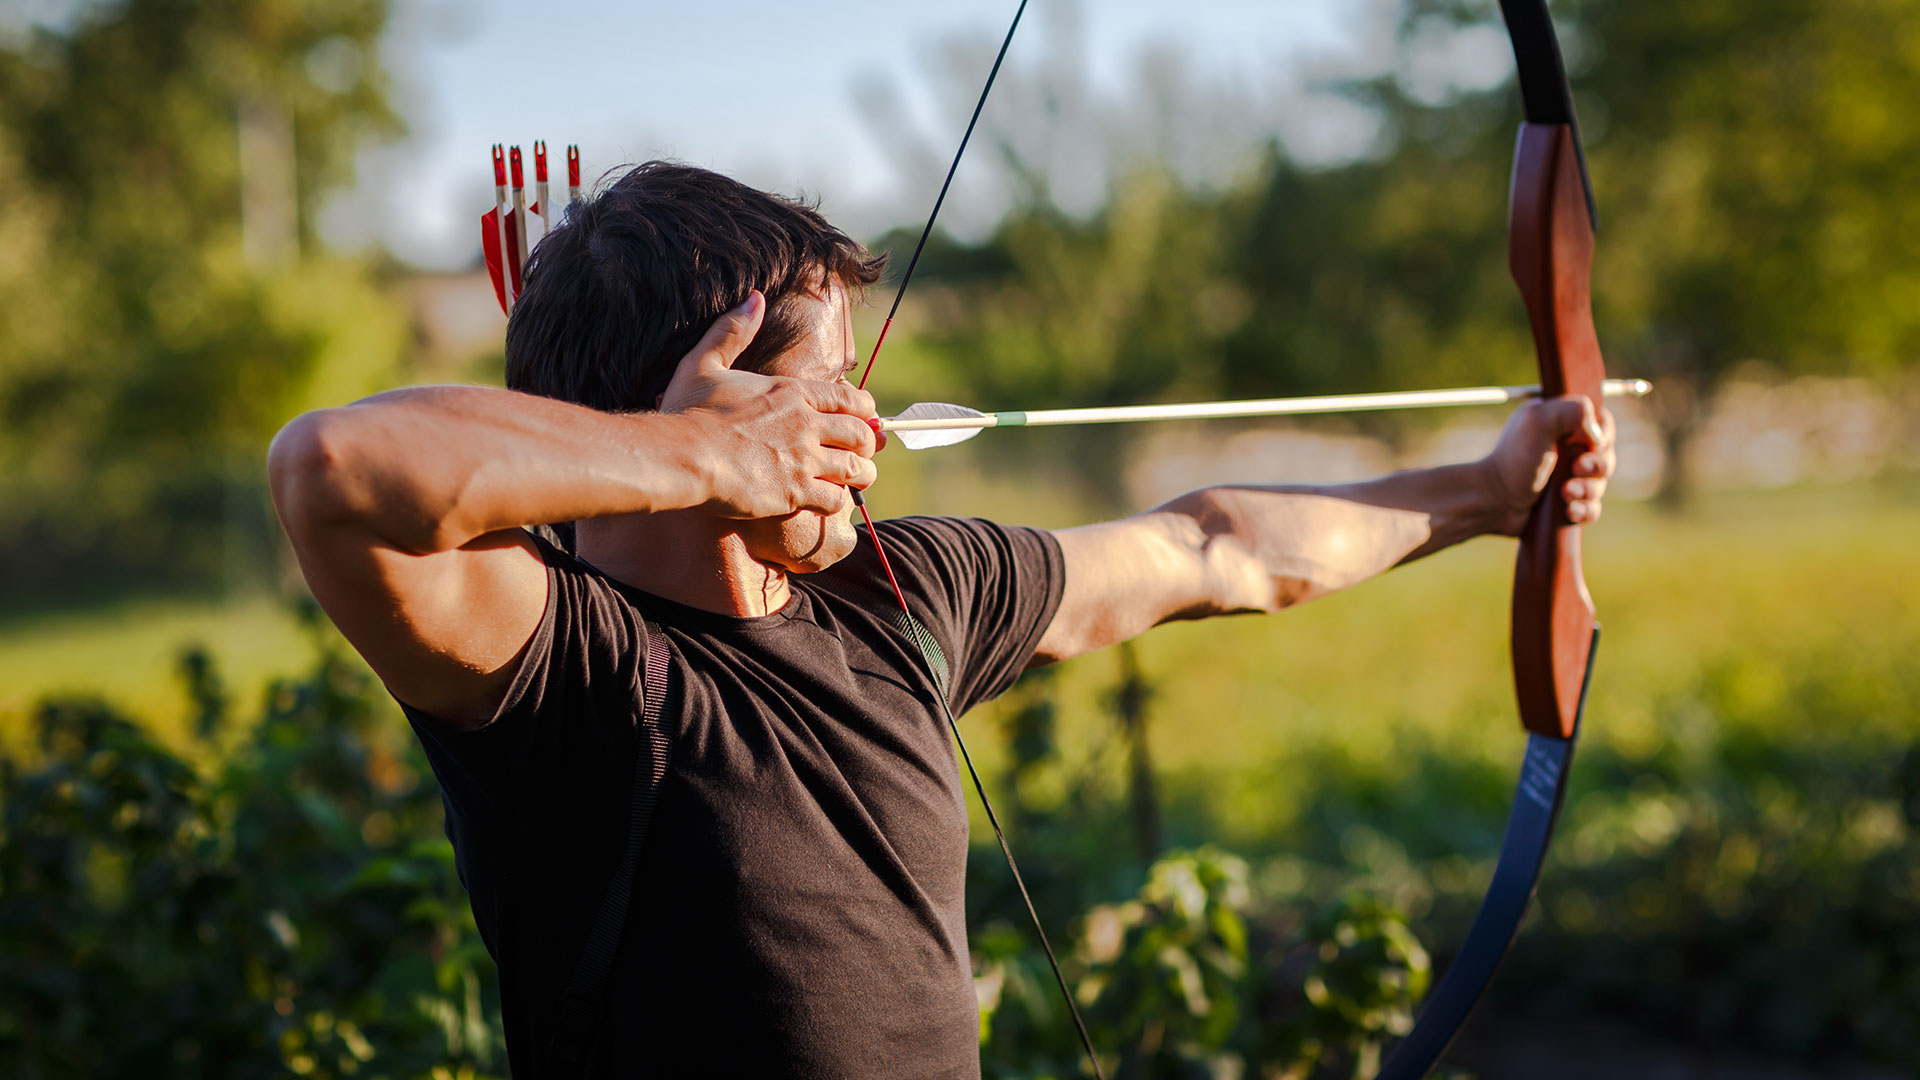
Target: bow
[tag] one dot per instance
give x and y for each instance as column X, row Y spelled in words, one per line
column 1551, row 219
column 1550, row 224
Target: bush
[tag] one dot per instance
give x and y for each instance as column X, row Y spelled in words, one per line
column 296, row 912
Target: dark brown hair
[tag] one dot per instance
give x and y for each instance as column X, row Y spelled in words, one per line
column 631, row 279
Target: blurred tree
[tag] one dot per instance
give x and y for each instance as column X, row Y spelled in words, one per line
column 1753, row 176
column 1760, row 166
column 1247, row 274
column 1752, row 167
column 162, row 160
column 1123, row 307
column 1377, row 275
column 1101, row 272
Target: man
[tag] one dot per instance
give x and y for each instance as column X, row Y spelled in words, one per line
column 798, row 907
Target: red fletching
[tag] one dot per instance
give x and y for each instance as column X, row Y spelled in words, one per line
column 492, row 232
column 490, row 250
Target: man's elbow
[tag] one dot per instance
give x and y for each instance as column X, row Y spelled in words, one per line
column 335, row 469
column 307, row 471
column 1241, row 568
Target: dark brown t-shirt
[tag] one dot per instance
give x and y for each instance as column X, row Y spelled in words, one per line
column 798, row 909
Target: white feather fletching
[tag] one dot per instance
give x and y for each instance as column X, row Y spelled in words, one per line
column 928, row 438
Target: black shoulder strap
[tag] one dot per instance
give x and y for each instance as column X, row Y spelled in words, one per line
column 586, row 995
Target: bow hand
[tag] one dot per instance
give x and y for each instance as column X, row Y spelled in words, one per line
column 1524, row 461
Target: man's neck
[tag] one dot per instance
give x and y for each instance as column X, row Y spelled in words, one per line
column 687, row 557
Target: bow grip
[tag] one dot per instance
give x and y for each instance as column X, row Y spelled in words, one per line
column 1550, row 252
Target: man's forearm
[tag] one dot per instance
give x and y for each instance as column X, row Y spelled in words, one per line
column 1232, row 549
column 1453, row 503
column 432, row 468
column 1273, row 547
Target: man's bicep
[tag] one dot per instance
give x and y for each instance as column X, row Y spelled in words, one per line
column 442, row 630
column 1126, row 577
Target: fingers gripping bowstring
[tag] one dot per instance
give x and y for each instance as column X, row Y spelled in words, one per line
column 1053, row 961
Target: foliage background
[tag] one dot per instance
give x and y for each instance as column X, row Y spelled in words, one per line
column 1259, row 840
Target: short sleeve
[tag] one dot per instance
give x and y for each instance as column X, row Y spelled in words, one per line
column 988, row 592
column 578, row 684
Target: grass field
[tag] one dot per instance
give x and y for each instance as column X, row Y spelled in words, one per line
column 1752, row 592
column 128, row 655
column 1764, row 582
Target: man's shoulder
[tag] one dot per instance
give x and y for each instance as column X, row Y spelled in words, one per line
column 940, row 559
column 937, row 533
column 916, row 547
column 958, row 537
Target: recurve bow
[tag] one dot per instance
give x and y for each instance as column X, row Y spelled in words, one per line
column 1550, row 227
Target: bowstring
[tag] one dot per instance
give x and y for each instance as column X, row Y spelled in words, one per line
column 1013, row 865
column 941, row 199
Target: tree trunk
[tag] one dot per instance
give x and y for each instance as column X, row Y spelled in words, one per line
column 1130, row 700
column 1677, row 407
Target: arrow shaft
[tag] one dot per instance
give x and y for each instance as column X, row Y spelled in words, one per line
column 1221, row 410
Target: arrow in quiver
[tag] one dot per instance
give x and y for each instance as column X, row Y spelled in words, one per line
column 514, row 227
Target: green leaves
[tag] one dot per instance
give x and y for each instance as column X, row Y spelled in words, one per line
column 1197, row 976
column 296, row 911
column 1365, row 974
column 1167, row 968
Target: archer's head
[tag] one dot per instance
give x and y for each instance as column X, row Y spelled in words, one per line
column 633, row 277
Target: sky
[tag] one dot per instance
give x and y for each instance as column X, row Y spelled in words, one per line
column 785, row 96
column 858, row 104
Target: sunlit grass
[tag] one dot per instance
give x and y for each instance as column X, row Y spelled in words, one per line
column 1763, row 582
column 1766, row 583
column 128, row 655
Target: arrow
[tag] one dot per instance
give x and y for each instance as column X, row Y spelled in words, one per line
column 509, row 231
column 517, row 240
column 540, row 205
column 928, row 424
column 493, row 224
